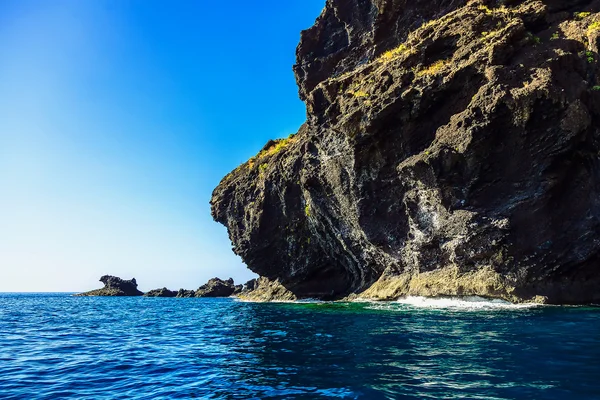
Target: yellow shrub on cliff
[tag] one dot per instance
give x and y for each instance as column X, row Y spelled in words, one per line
column 594, row 26
column 433, row 69
column 391, row 54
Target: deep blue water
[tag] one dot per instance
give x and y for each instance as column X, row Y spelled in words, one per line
column 63, row 347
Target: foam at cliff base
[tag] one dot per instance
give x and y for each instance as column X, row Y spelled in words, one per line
column 301, row 301
column 461, row 303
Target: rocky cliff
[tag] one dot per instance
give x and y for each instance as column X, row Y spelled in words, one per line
column 451, row 148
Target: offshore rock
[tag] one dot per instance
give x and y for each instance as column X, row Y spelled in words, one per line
column 115, row 286
column 164, row 292
column 216, row 288
column 450, row 148
column 183, row 293
column 250, row 285
column 237, row 289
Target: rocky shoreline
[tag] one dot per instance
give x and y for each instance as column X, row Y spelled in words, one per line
column 450, row 149
column 215, row 287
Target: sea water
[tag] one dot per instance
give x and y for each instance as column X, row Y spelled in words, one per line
column 55, row 346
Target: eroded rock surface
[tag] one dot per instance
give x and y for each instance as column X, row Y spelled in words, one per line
column 183, row 293
column 450, row 148
column 216, row 288
column 164, row 292
column 115, row 286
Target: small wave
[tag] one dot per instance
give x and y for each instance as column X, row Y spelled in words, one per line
column 461, row 303
column 450, row 303
column 301, row 301
column 364, row 300
column 306, row 301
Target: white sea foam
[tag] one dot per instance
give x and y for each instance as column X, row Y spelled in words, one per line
column 461, row 303
column 467, row 303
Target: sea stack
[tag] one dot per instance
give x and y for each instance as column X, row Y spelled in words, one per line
column 450, row 148
column 115, row 286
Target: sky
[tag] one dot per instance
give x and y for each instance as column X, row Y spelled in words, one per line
column 117, row 120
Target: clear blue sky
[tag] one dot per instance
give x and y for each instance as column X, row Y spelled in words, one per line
column 117, row 120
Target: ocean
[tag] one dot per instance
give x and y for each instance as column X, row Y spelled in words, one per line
column 55, row 346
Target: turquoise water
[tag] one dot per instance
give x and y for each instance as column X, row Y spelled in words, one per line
column 63, row 347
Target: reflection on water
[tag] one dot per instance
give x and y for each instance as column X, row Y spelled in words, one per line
column 57, row 346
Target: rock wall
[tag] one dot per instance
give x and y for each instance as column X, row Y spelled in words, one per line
column 450, row 148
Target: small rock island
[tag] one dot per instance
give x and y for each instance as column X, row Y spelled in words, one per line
column 115, row 286
column 215, row 287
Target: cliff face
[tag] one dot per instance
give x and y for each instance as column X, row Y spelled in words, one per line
column 451, row 148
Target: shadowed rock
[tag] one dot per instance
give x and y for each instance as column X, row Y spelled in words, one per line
column 115, row 286
column 237, row 289
column 182, row 293
column 216, row 288
column 164, row 292
column 250, row 285
column 243, row 291
column 450, row 148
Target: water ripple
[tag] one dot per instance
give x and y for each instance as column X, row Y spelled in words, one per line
column 58, row 346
